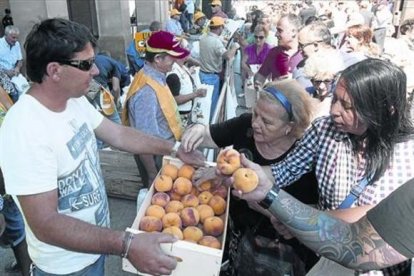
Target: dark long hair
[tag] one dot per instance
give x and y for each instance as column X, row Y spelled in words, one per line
column 378, row 90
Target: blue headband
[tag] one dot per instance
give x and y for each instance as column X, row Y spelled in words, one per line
column 282, row 99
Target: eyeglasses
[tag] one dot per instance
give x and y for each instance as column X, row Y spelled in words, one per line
column 303, row 46
column 259, row 37
column 327, row 82
column 83, row 65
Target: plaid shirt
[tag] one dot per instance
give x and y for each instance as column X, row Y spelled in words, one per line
column 329, row 151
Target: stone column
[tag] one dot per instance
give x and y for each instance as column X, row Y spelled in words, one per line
column 114, row 27
column 148, row 11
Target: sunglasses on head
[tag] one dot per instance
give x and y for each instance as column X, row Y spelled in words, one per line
column 83, row 65
column 258, row 37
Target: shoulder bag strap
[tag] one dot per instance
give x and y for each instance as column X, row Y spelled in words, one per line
column 356, row 191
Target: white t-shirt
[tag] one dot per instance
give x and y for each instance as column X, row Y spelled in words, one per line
column 41, row 151
column 186, row 85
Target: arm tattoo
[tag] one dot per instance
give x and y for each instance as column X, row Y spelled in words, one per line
column 357, row 246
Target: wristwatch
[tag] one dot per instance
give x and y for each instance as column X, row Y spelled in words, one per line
column 175, row 149
column 270, row 197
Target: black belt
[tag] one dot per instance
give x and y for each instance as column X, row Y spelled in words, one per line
column 208, row 72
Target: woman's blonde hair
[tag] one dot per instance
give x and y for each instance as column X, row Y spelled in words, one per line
column 299, row 99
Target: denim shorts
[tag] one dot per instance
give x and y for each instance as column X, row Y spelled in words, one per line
column 14, row 232
column 95, row 269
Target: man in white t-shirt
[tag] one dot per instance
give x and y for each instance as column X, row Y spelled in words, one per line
column 50, row 161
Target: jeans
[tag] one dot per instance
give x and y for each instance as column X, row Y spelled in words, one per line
column 212, row 79
column 14, row 232
column 95, row 269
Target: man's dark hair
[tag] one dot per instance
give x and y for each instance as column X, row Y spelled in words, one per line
column 54, row 40
column 150, row 57
column 381, row 103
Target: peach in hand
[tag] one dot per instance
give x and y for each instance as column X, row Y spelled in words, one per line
column 245, row 180
column 228, row 161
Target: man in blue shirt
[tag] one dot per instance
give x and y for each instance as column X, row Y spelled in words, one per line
column 173, row 24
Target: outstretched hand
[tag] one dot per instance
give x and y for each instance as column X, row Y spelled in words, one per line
column 194, row 157
column 265, row 184
column 193, row 137
column 146, row 255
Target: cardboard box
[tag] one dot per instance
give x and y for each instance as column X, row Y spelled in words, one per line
column 196, row 259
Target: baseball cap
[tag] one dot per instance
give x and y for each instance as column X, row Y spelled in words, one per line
column 174, row 12
column 165, row 42
column 216, row 21
column 198, row 15
column 216, row 3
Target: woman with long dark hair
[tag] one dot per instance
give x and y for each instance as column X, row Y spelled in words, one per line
column 364, row 146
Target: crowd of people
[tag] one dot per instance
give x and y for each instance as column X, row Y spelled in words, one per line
column 331, row 137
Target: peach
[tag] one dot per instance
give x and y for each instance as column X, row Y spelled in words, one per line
column 174, row 206
column 182, row 186
column 228, row 161
column 194, row 191
column 174, row 196
column 150, row 224
column 186, row 171
column 171, row 219
column 213, row 226
column 175, row 231
column 205, row 186
column 221, row 191
column 245, row 180
column 204, row 197
column 205, row 211
column 210, row 241
column 218, row 204
column 170, row 170
column 189, row 216
column 163, row 183
column 160, row 199
column 155, row 211
column 189, row 200
column 192, row 233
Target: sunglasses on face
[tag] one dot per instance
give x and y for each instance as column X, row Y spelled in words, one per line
column 303, row 46
column 213, row 6
column 259, row 37
column 83, row 65
column 318, row 82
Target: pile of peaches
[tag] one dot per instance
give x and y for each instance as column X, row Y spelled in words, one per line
column 190, row 214
column 180, row 209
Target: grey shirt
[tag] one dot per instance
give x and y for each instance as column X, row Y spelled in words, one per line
column 211, row 53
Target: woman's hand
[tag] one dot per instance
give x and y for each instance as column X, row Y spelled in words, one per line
column 265, row 184
column 193, row 137
column 201, row 92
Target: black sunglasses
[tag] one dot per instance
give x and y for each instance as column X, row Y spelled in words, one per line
column 214, row 6
column 83, row 65
column 326, row 82
column 258, row 37
column 303, row 46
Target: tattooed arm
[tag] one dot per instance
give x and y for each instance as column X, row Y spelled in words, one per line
column 357, row 245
